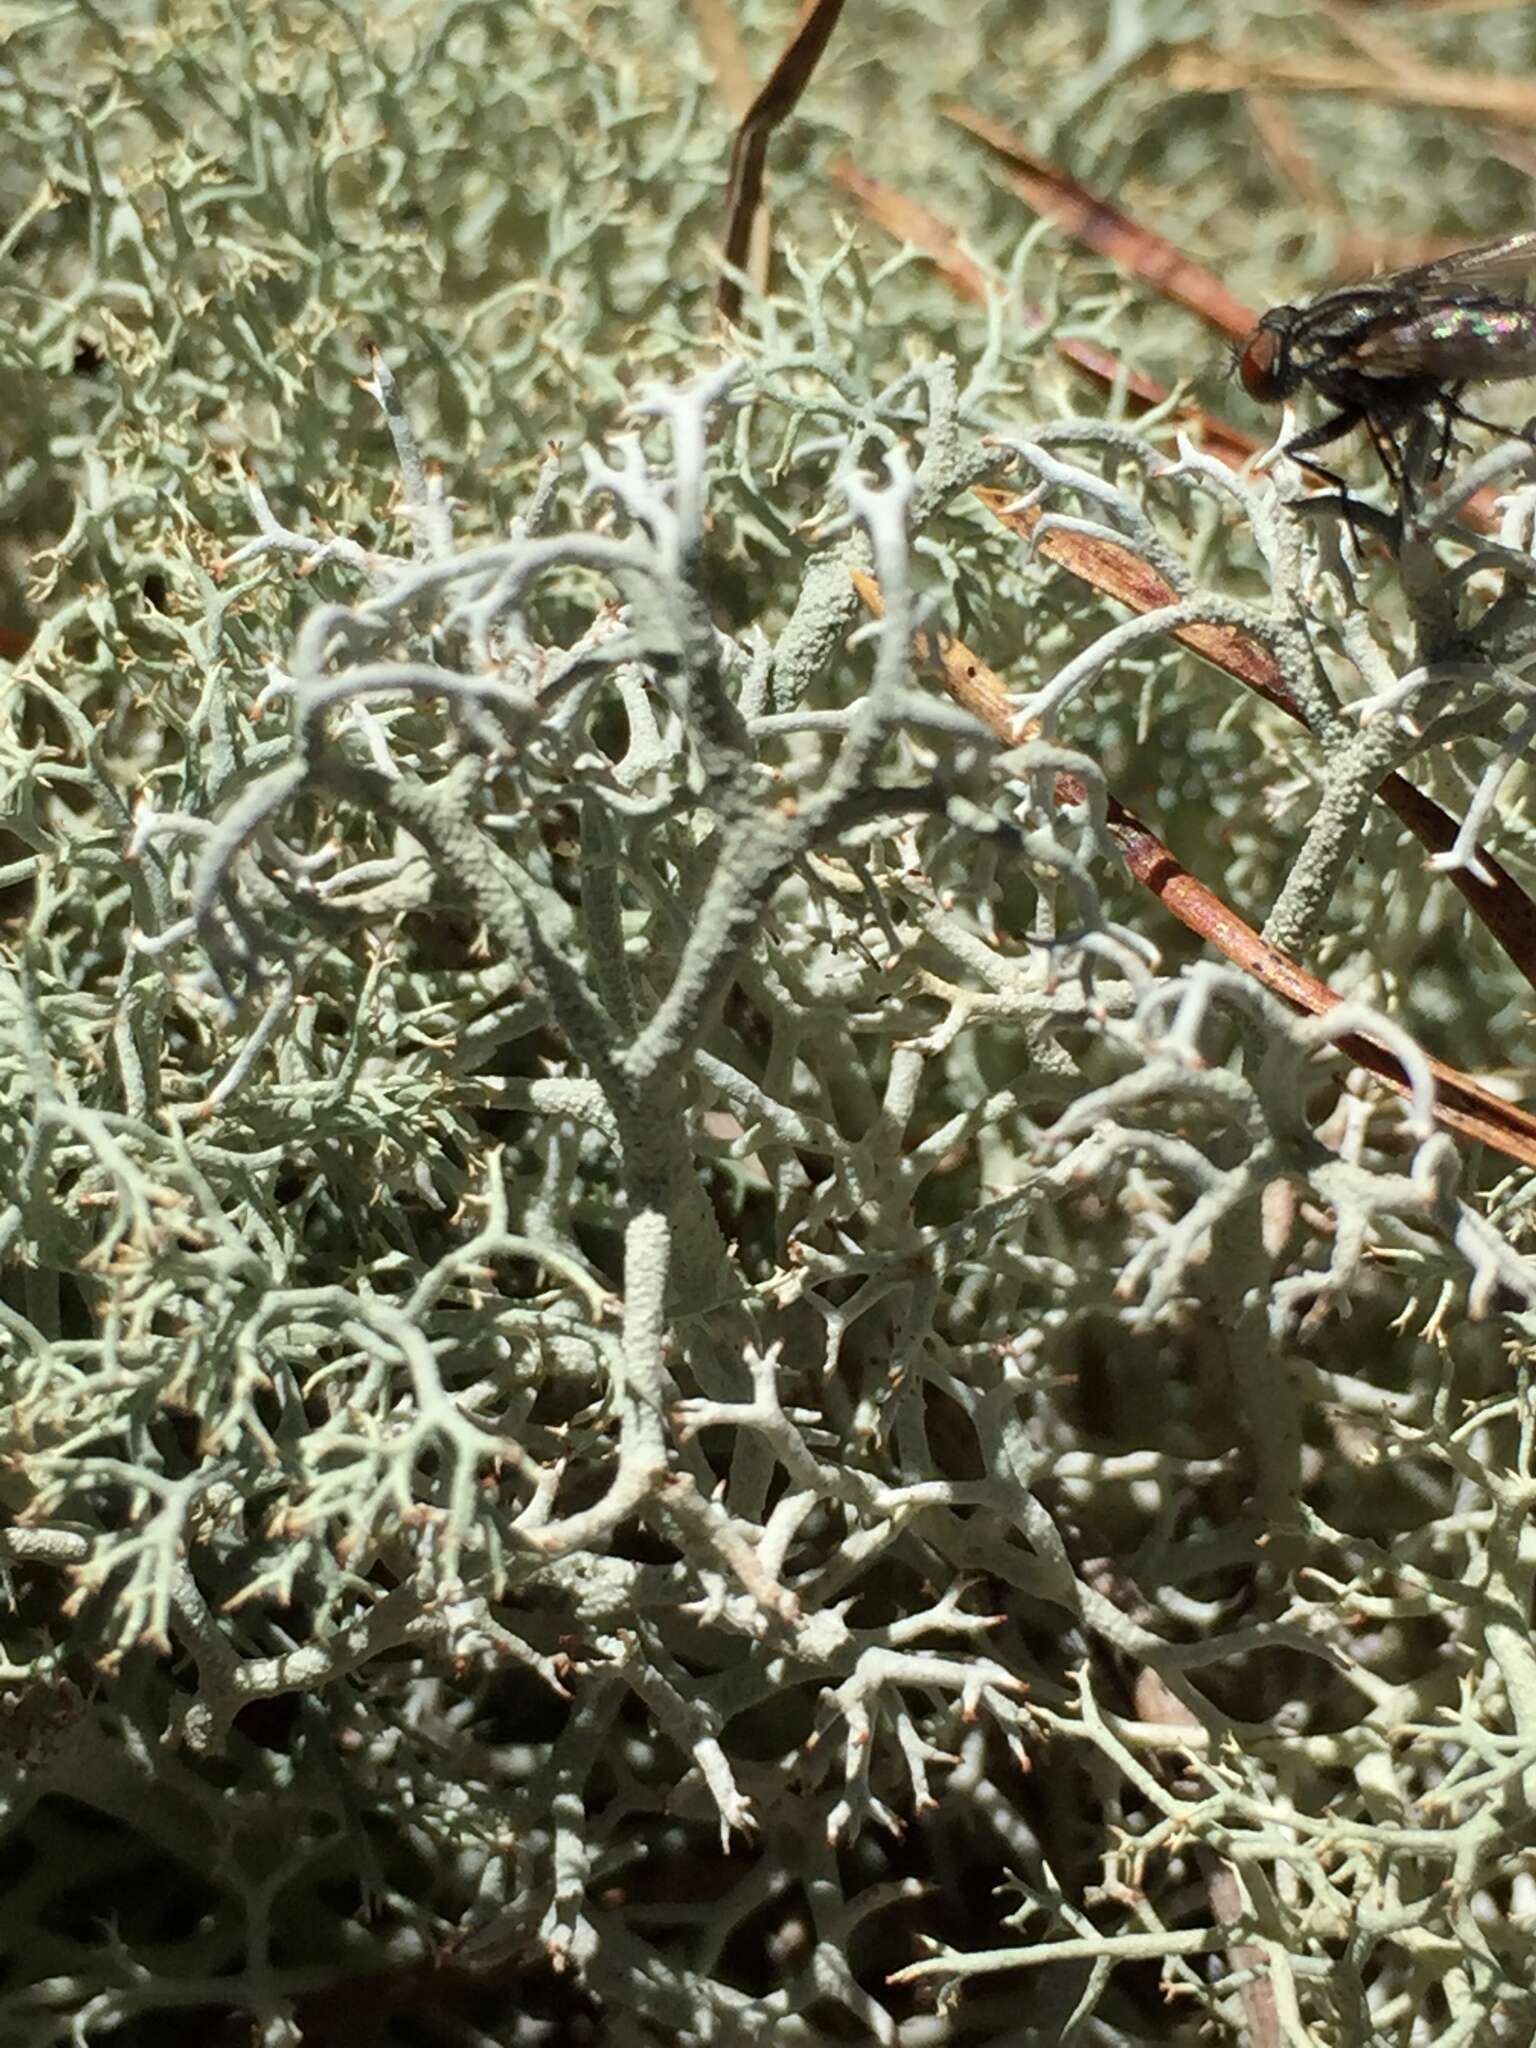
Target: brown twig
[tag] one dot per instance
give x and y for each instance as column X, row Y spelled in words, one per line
column 1108, row 231
column 1468, row 92
column 1230, row 443
column 720, row 40
column 1293, row 162
column 904, row 220
column 907, row 221
column 1460, row 1104
column 1378, row 45
column 786, row 82
column 1155, row 1700
column 1499, row 903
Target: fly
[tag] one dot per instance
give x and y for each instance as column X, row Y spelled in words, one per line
column 1397, row 349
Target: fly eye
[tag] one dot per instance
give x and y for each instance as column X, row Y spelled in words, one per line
column 1259, row 366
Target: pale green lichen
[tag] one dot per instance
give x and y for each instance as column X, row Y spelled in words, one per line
column 676, row 1373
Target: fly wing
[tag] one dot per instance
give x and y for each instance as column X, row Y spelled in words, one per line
column 1484, row 263
column 1452, row 343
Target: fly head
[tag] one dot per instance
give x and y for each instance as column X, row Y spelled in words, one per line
column 1266, row 364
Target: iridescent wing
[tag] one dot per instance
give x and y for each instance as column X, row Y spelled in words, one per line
column 1452, row 343
column 1484, row 263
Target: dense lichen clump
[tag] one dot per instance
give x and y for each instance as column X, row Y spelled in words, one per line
column 676, row 1371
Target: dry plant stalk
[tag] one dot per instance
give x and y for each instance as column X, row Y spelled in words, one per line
column 907, row 221
column 749, row 154
column 1461, row 1104
column 1106, row 230
column 1499, row 903
column 1466, row 92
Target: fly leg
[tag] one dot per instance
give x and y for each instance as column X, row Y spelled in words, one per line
column 1335, row 429
column 1450, row 413
column 1342, row 423
column 1457, row 411
column 1391, row 459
